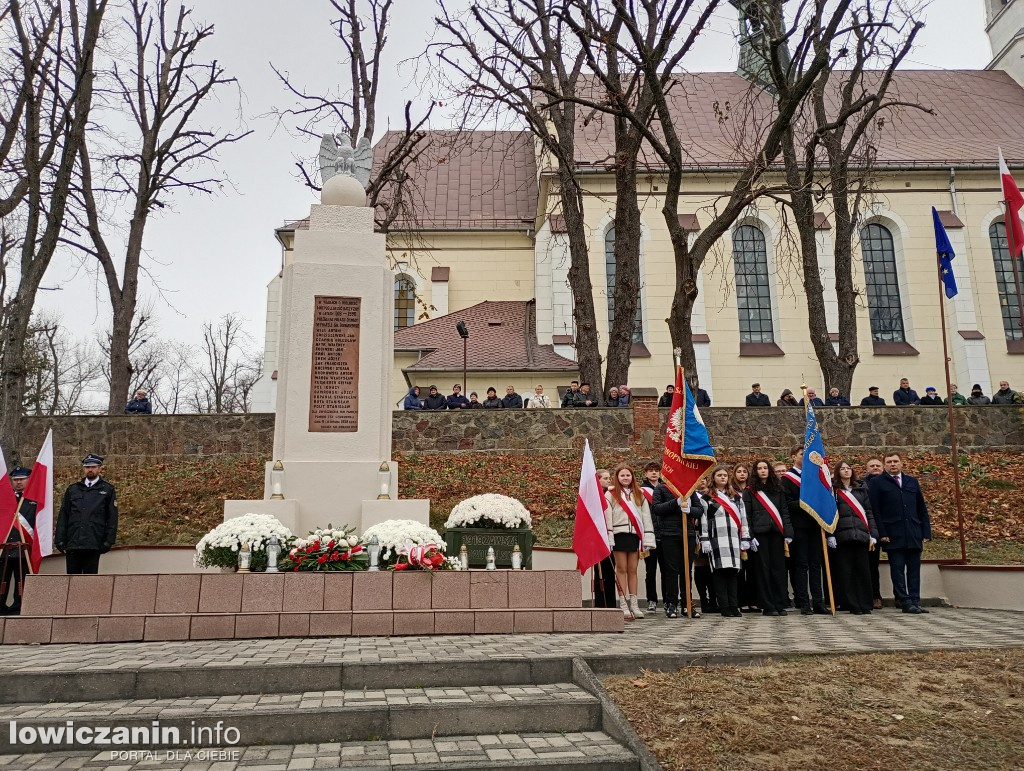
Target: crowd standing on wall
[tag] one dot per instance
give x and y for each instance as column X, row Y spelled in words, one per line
column 580, row 396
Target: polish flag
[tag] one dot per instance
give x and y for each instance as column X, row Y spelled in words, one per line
column 8, row 502
column 590, row 532
column 1014, row 203
column 40, row 490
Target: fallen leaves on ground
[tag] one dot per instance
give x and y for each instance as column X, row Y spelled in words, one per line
column 955, row 710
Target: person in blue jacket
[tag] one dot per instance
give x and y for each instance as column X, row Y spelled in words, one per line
column 901, row 517
column 412, row 400
column 456, row 401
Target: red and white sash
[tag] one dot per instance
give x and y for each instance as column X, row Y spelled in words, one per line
column 648, row 494
column 634, row 515
column 773, row 512
column 730, row 509
column 792, row 477
column 853, row 503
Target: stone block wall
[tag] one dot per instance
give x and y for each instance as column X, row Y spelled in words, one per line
column 770, row 430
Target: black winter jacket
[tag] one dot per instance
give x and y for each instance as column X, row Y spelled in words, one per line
column 758, row 400
column 512, row 401
column 665, row 400
column 850, row 527
column 435, row 402
column 760, row 521
column 668, row 516
column 138, row 407
column 492, row 404
column 800, row 519
column 88, row 518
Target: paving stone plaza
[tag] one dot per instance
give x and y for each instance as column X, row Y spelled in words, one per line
column 427, row 677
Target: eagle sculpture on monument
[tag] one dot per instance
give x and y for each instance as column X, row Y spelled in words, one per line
column 337, row 156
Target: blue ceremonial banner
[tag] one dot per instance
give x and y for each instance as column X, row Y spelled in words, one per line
column 946, row 254
column 816, row 496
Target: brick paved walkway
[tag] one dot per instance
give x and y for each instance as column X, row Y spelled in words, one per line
column 442, row 752
column 887, row 630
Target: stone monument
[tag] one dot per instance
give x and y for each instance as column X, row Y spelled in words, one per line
column 332, row 432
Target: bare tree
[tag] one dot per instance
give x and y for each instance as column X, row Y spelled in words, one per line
column 519, row 57
column 163, row 85
column 653, row 37
column 353, row 110
column 829, row 154
column 60, row 369
column 226, row 369
column 146, row 354
column 174, row 378
column 46, row 102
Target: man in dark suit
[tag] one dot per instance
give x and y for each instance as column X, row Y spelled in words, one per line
column 14, row 563
column 903, row 527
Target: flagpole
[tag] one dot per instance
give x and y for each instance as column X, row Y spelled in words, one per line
column 954, row 452
column 678, row 352
column 824, row 543
column 1007, row 213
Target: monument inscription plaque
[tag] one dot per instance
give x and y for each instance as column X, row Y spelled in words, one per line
column 333, row 388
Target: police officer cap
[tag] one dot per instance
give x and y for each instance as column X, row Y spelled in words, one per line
column 92, row 460
column 20, row 472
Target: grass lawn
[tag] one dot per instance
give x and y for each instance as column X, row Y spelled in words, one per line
column 938, row 710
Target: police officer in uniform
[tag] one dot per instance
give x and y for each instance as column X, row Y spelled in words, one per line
column 14, row 560
column 87, row 522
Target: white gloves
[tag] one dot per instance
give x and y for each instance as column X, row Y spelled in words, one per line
column 705, row 546
column 788, row 541
column 874, row 541
column 754, row 544
column 683, row 504
column 611, row 541
column 744, row 545
column 831, row 541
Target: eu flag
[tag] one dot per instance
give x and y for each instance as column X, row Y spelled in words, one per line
column 816, row 497
column 946, row 255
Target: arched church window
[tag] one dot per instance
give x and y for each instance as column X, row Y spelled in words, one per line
column 405, row 301
column 1009, row 300
column 884, row 305
column 753, row 290
column 609, row 266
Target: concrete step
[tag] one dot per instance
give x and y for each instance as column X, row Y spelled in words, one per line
column 142, row 679
column 307, row 717
column 573, row 751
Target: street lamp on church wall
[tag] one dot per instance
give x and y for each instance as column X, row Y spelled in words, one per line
column 464, row 334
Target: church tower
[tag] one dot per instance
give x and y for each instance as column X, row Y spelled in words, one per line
column 755, row 23
column 1004, row 23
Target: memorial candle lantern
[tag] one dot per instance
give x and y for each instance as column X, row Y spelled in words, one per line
column 464, row 557
column 277, row 482
column 273, row 550
column 384, row 480
column 374, row 550
column 490, row 559
column 517, row 558
column 244, row 558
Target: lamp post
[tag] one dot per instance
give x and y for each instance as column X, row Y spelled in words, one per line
column 464, row 334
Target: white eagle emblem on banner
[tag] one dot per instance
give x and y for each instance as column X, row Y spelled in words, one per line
column 675, row 425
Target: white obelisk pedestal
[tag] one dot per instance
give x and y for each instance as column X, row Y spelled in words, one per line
column 333, row 422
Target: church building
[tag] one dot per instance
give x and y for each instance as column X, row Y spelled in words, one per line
column 485, row 247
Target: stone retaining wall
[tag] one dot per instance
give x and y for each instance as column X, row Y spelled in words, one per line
column 733, row 429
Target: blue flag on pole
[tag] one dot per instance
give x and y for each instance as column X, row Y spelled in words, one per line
column 946, row 255
column 816, row 497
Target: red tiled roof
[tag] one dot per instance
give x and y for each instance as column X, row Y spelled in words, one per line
column 976, row 111
column 502, row 338
column 479, row 180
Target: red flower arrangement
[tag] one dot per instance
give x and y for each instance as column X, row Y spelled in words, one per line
column 326, row 550
column 428, row 556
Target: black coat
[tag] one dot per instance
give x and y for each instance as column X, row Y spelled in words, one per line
column 872, row 401
column 799, row 518
column 139, row 407
column 512, row 401
column 27, row 509
column 837, row 401
column 850, row 527
column 758, row 400
column 665, row 400
column 760, row 521
column 435, row 402
column 931, row 401
column 900, row 512
column 87, row 518
column 905, row 397
column 668, row 516
column 701, row 399
column 492, row 404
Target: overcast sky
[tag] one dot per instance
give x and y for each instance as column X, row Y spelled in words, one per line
column 211, row 256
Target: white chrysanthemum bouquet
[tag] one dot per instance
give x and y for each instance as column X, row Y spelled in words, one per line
column 490, row 510
column 219, row 548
